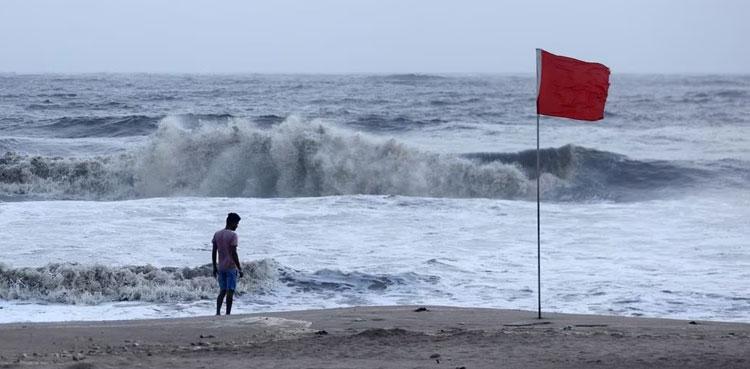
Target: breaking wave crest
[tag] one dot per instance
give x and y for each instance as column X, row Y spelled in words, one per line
column 239, row 159
column 295, row 159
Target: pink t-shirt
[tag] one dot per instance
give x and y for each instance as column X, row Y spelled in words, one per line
column 226, row 242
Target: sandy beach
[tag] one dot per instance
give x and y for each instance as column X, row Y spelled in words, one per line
column 380, row 337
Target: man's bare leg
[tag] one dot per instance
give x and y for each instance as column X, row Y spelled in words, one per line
column 230, row 295
column 220, row 299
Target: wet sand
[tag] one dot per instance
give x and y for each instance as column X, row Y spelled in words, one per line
column 379, row 337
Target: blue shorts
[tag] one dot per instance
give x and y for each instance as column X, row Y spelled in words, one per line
column 227, row 279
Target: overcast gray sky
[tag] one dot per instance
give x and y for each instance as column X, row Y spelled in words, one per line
column 371, row 36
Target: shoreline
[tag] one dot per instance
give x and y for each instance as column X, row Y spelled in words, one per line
column 381, row 336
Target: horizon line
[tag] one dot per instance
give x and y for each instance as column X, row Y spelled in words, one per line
column 247, row 73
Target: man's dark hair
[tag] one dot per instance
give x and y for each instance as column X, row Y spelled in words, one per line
column 233, row 218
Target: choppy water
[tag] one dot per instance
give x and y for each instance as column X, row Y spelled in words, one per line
column 371, row 189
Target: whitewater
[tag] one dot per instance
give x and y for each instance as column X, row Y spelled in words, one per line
column 370, row 190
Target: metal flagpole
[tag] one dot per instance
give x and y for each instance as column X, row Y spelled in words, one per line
column 538, row 226
column 538, row 207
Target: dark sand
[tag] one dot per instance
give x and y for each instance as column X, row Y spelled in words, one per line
column 379, row 337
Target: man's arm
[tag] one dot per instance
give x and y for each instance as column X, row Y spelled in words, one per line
column 237, row 260
column 213, row 258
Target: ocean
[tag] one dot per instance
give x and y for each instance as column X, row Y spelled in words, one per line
column 371, row 190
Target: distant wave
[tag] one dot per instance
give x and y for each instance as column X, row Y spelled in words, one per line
column 446, row 102
column 79, row 105
column 592, row 174
column 408, row 78
column 414, row 76
column 734, row 94
column 69, row 283
column 303, row 159
column 129, row 125
column 6, row 143
column 58, row 95
column 120, row 126
column 78, row 127
column 384, row 123
column 269, row 120
column 716, row 96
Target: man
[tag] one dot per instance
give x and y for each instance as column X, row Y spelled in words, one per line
column 225, row 245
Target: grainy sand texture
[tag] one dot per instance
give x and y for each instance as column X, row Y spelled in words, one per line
column 379, row 337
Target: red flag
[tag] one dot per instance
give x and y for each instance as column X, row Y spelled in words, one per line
column 570, row 88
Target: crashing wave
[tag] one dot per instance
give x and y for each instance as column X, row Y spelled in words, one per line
column 236, row 159
column 68, row 283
